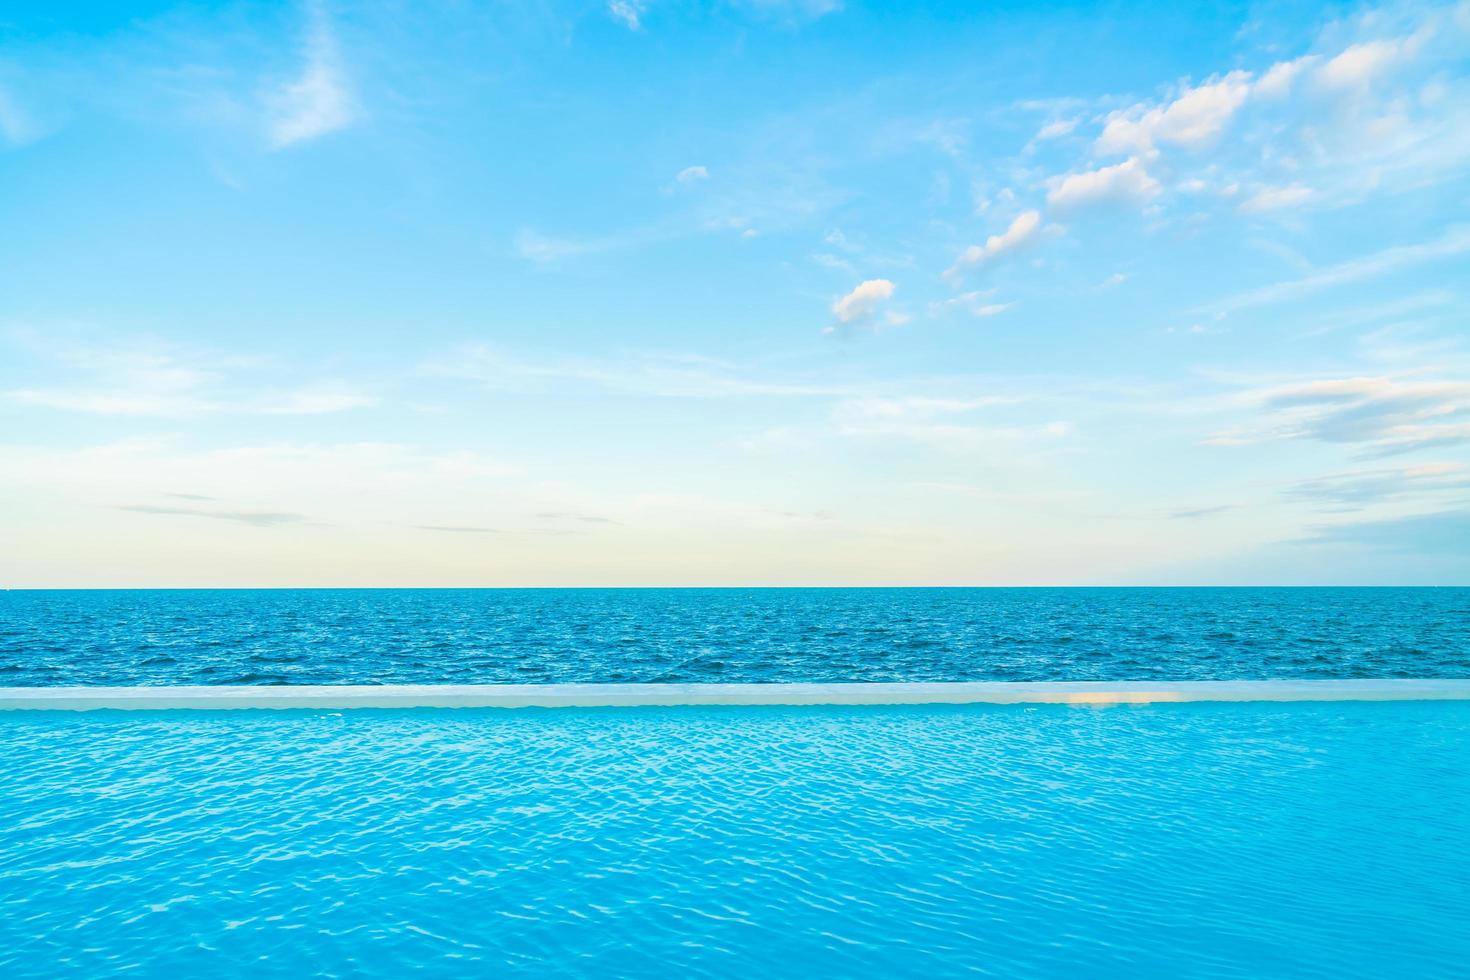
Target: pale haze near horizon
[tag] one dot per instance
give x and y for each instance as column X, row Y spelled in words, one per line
column 755, row 293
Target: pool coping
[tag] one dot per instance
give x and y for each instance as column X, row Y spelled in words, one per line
column 335, row 697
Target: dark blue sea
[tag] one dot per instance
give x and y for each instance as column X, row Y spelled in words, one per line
column 391, row 636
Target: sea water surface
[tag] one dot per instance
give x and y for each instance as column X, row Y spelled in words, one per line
column 1186, row 840
column 346, row 636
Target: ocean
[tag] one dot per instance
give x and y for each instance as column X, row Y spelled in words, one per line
column 398, row 636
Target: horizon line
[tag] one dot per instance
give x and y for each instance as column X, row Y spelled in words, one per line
column 502, row 696
column 703, row 588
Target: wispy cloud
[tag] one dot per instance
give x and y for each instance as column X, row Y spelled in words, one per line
column 1196, row 513
column 911, row 407
column 255, row 518
column 156, row 381
column 956, row 437
column 1362, row 488
column 1455, row 241
column 320, row 99
column 545, row 249
column 789, row 12
column 1387, row 415
column 1276, row 198
column 655, row 375
column 1056, row 128
column 976, row 302
column 152, row 378
column 574, row 517
column 949, row 424
column 1446, row 533
column 629, row 12
column 17, row 128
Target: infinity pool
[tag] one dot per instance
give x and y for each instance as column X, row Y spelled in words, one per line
column 1204, row 840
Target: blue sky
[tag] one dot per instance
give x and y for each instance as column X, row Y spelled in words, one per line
column 786, row 293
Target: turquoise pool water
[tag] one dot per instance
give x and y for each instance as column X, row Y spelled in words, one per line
column 1200, row 840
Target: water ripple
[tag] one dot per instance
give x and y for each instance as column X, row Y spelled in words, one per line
column 728, row 635
column 1184, row 840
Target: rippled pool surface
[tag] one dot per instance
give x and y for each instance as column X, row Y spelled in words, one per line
column 332, row 636
column 1248, row 840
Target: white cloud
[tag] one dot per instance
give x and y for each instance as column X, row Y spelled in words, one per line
column 1359, row 66
column 1020, row 233
column 690, row 174
column 863, row 301
column 318, row 102
column 630, row 12
column 1195, row 118
column 1278, row 80
column 1126, row 181
column 1375, row 116
column 1276, row 198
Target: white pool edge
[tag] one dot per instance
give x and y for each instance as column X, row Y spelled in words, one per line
column 335, row 697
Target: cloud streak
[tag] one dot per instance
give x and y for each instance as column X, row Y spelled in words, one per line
column 255, row 518
column 1455, row 241
column 155, row 382
column 1387, row 415
column 1443, row 534
column 1362, row 488
column 319, row 100
column 652, row 375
